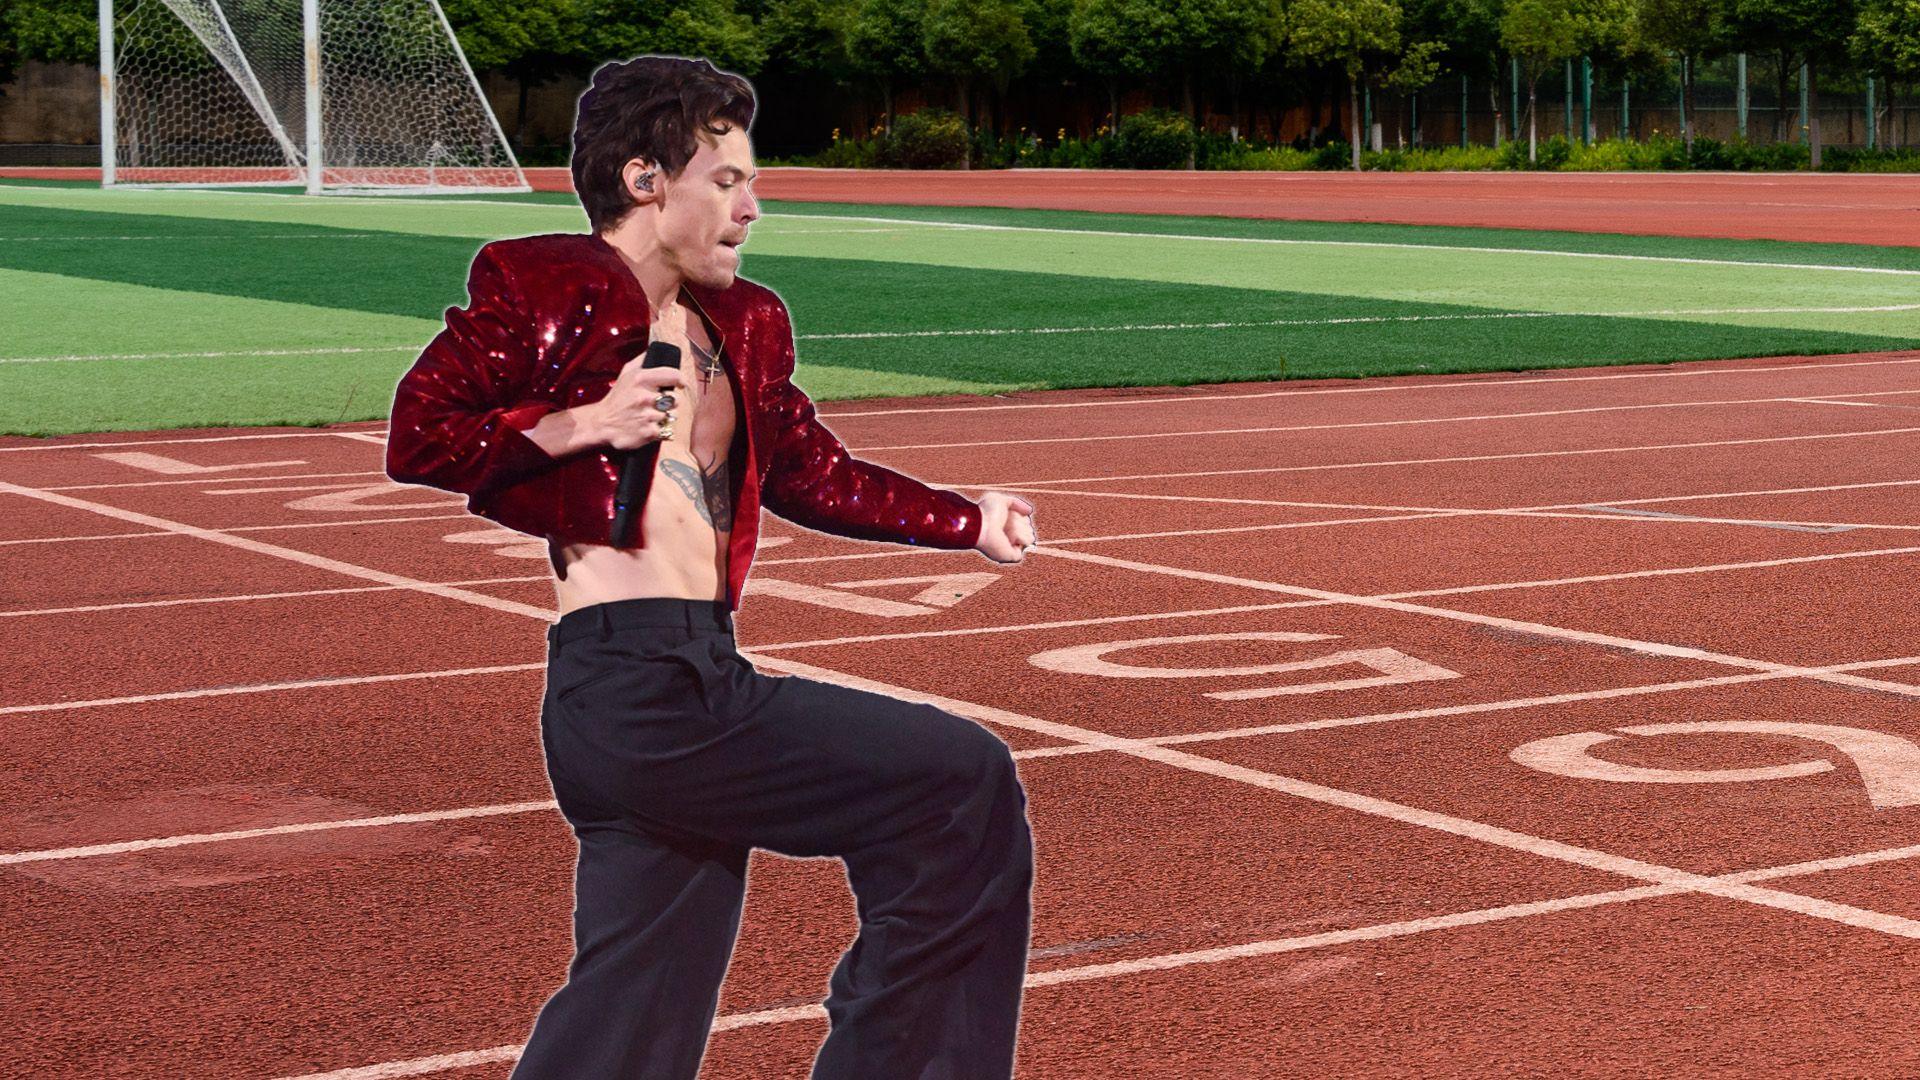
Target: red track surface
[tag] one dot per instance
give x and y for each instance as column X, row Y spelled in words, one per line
column 1821, row 207
column 1356, row 880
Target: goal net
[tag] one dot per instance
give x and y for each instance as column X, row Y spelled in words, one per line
column 333, row 95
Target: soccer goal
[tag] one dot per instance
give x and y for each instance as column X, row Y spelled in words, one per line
column 362, row 96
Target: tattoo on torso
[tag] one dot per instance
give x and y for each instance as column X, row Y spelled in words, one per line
column 708, row 488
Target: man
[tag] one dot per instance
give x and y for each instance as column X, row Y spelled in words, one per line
column 670, row 756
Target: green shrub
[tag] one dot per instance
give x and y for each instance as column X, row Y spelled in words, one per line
column 1221, row 152
column 852, row 154
column 1431, row 159
column 1553, row 152
column 1156, row 139
column 1878, row 160
column 928, row 139
column 1336, row 154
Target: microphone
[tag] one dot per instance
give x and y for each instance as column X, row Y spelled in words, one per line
column 637, row 463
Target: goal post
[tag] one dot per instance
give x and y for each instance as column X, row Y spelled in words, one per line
column 364, row 96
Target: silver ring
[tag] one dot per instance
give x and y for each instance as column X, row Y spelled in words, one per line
column 665, row 402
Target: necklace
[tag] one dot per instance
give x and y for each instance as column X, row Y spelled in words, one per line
column 709, row 363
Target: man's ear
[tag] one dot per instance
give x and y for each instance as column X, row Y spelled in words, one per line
column 640, row 177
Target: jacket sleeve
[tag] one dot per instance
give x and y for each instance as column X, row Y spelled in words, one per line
column 456, row 424
column 813, row 481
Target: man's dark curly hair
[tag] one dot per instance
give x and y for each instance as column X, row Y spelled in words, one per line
column 652, row 107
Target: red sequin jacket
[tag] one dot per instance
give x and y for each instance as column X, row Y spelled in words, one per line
column 549, row 323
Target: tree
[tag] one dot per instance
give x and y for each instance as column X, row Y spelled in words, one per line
column 976, row 39
column 1886, row 41
column 530, row 41
column 884, row 42
column 809, row 36
column 1692, row 29
column 1810, row 32
column 1098, row 38
column 1361, row 37
column 1544, row 34
column 1468, row 33
column 1182, row 38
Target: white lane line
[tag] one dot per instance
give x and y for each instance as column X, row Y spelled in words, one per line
column 1172, row 961
column 124, row 847
column 264, row 688
column 1462, row 459
column 857, row 639
column 1544, row 378
column 259, row 547
column 1451, row 590
column 364, row 436
column 340, row 523
column 209, row 481
column 1284, row 429
column 1378, row 244
column 1455, row 383
column 1401, row 813
column 1790, row 526
column 1822, row 401
column 1025, row 754
column 1350, row 320
column 1585, row 637
column 16, row 613
column 1475, row 708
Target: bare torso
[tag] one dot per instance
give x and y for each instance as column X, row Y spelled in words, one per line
column 688, row 516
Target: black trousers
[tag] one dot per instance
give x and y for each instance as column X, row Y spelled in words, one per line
column 672, row 757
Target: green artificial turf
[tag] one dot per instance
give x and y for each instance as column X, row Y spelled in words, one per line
column 134, row 310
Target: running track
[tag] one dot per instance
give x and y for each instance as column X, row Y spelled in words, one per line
column 1849, row 208
column 1352, row 797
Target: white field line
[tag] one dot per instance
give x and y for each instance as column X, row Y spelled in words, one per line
column 1462, row 459
column 91, row 851
column 1187, row 434
column 258, row 547
column 236, row 529
column 121, row 847
column 1375, row 244
column 1585, row 637
column 1172, row 961
column 1453, row 383
column 1400, row 813
column 1349, row 320
column 265, row 688
column 174, row 442
column 1823, row 401
column 208, row 481
column 1023, row 627
column 1494, row 835
column 1017, row 331
column 380, row 438
column 1476, row 708
column 16, row 613
column 338, row 350
column 204, row 238
column 1452, row 590
column 1594, row 512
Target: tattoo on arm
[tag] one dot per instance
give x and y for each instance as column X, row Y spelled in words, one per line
column 708, row 488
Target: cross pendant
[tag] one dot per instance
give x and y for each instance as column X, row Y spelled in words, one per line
column 709, row 364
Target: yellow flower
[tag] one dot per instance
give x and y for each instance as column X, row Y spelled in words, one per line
column 836, row 134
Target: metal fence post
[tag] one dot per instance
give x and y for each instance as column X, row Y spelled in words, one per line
column 1873, row 118
column 1740, row 91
